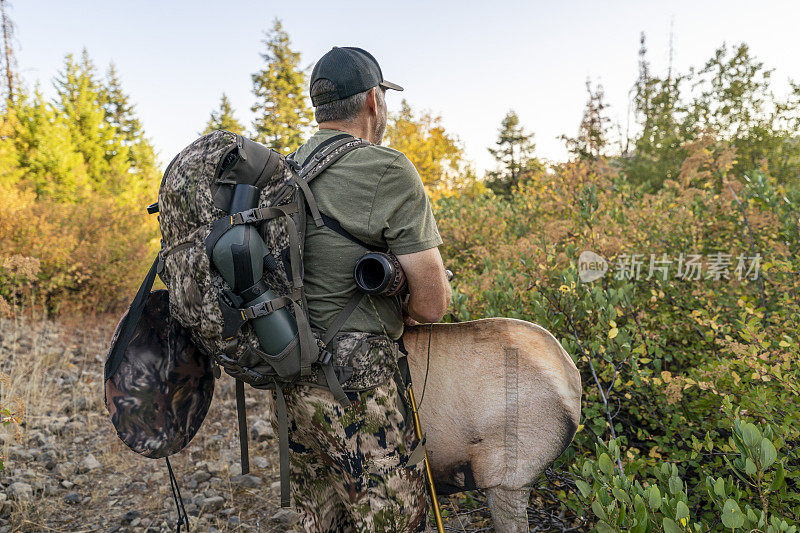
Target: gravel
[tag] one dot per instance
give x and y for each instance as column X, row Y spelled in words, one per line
column 20, row 491
column 89, row 463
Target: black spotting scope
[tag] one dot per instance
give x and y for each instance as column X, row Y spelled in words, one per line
column 241, row 257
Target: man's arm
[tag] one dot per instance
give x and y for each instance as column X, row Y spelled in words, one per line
column 428, row 286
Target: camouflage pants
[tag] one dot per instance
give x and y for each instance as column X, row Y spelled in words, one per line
column 348, row 469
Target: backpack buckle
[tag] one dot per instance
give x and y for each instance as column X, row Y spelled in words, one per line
column 324, row 356
column 294, row 165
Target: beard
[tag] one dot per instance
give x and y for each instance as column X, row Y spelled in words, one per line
column 380, row 129
column 380, row 124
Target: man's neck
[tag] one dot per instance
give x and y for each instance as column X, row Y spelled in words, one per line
column 356, row 129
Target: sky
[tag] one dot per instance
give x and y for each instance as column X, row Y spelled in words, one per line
column 467, row 61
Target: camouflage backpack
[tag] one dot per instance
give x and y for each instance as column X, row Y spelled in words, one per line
column 196, row 193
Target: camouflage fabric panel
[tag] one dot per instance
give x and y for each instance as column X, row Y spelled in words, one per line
column 194, row 288
column 369, row 359
column 348, row 465
column 251, row 364
column 279, row 187
column 185, row 200
column 163, row 387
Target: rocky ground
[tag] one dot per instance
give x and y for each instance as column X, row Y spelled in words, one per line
column 66, row 470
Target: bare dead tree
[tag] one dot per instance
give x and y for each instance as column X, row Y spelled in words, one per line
column 8, row 28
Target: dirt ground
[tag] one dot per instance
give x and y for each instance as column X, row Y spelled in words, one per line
column 66, row 470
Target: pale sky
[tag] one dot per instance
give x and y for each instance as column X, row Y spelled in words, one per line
column 468, row 61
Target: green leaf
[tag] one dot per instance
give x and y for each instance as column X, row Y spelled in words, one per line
column 605, row 464
column 768, row 453
column 599, row 512
column 675, row 485
column 749, row 467
column 583, row 487
column 752, row 436
column 640, row 513
column 719, row 487
column 654, row 498
column 732, row 516
column 621, row 495
column 681, row 511
column 671, row 527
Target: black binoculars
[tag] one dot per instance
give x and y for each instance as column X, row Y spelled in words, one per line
column 380, row 273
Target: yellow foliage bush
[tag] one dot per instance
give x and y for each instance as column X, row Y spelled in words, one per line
column 71, row 258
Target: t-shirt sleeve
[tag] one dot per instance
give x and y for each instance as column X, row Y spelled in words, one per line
column 401, row 211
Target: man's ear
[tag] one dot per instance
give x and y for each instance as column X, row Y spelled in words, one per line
column 372, row 101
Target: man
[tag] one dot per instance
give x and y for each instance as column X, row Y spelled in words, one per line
column 348, row 466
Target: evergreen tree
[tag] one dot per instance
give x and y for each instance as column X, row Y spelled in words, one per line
column 223, row 118
column 737, row 104
column 282, row 111
column 45, row 151
column 665, row 126
column 593, row 129
column 10, row 170
column 514, row 155
column 120, row 114
column 731, row 100
column 80, row 98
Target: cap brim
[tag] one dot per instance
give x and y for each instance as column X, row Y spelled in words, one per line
column 389, row 85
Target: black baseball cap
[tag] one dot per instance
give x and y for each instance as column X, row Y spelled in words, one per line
column 352, row 70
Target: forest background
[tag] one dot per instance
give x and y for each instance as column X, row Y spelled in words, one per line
column 687, row 345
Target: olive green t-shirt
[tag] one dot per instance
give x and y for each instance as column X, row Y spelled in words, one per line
column 376, row 194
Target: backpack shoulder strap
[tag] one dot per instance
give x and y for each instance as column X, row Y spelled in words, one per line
column 330, row 154
column 321, row 158
column 323, row 145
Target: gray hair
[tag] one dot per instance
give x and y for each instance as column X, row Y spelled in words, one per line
column 345, row 110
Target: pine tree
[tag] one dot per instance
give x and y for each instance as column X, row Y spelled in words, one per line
column 658, row 149
column 121, row 115
column 593, row 130
column 514, row 155
column 80, row 99
column 282, row 112
column 223, row 118
column 46, row 151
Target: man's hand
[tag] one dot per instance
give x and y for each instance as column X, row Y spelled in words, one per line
column 428, row 288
